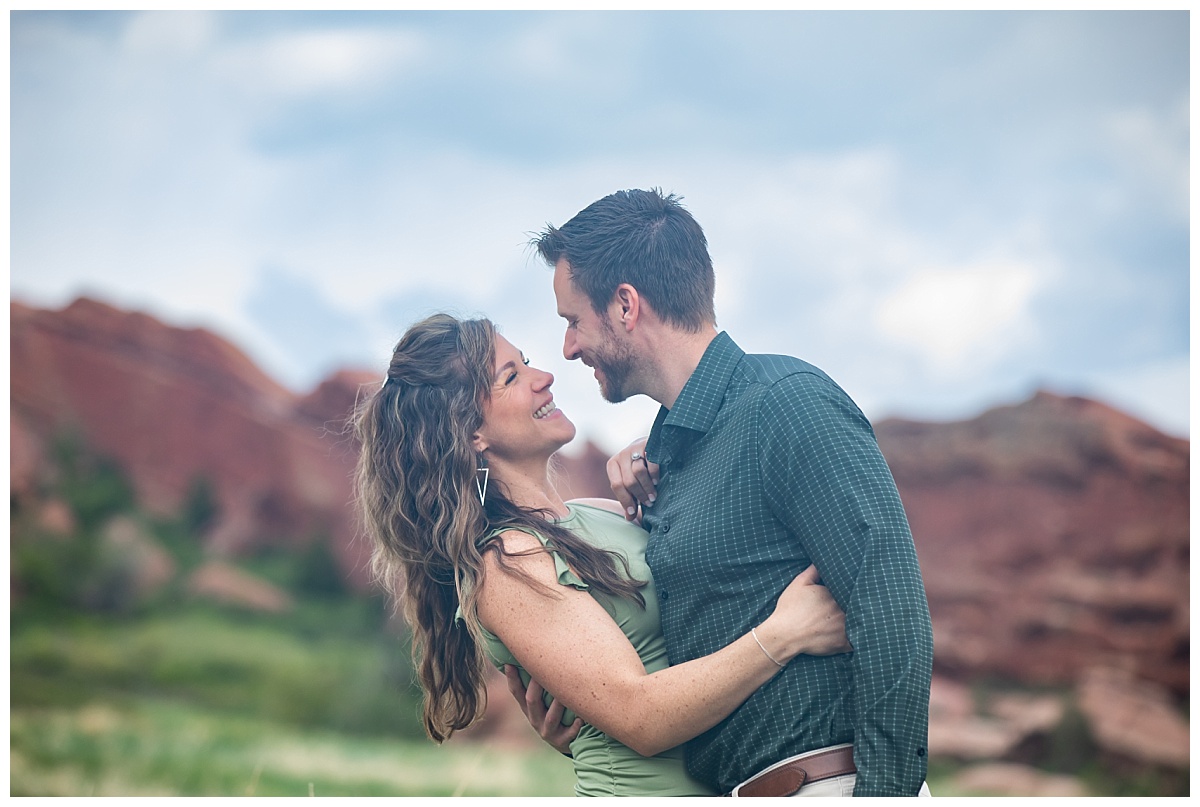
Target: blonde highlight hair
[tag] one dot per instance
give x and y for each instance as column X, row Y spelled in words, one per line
column 416, row 488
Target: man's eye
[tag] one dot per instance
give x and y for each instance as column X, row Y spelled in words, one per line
column 525, row 362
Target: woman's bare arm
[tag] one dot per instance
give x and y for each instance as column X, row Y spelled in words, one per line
column 574, row 649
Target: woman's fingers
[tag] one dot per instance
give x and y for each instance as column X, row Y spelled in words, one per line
column 546, row 720
column 633, row 478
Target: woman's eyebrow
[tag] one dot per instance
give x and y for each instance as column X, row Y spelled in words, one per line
column 508, row 365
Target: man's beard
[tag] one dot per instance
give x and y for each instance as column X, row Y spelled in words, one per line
column 616, row 373
column 617, row 364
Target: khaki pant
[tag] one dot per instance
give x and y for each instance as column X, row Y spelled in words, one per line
column 840, row 786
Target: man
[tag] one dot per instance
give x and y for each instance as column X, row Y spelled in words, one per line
column 764, row 466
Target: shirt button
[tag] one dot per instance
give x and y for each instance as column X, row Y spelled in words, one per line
column 666, row 526
column 662, row 593
column 920, row 752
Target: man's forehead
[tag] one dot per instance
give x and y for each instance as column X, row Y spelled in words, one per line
column 565, row 293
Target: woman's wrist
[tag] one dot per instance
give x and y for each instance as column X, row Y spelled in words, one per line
column 767, row 653
column 775, row 644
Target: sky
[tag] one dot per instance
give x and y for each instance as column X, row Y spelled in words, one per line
column 945, row 211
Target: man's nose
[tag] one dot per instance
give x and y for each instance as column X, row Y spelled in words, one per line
column 570, row 347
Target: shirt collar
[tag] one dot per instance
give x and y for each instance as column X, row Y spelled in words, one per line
column 700, row 399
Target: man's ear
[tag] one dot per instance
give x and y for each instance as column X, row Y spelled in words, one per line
column 627, row 306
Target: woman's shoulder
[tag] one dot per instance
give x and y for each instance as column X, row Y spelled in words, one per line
column 531, row 555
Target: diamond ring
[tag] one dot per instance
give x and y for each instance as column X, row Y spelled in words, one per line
column 635, row 456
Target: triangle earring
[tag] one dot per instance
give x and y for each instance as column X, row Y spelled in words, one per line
column 483, row 469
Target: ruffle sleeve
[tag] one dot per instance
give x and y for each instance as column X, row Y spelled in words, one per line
column 563, row 573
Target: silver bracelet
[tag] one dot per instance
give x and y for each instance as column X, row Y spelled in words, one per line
column 765, row 653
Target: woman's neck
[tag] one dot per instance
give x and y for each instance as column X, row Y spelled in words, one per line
column 529, row 487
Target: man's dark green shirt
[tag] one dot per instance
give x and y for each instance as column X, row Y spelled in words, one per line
column 767, row 466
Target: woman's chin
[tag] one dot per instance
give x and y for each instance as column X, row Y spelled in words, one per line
column 569, row 431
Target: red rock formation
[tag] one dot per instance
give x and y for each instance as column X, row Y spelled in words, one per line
column 1010, row 779
column 1134, row 720
column 220, row 582
column 1053, row 536
column 174, row 405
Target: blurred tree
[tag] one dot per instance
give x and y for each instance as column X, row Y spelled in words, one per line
column 317, row 571
column 94, row 486
column 200, row 507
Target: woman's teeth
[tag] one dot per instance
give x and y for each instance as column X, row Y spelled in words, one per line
column 545, row 410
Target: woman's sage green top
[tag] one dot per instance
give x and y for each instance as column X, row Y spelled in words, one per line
column 604, row 766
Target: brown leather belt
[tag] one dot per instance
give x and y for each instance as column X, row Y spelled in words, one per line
column 791, row 776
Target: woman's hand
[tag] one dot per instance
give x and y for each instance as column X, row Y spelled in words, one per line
column 633, row 478
column 546, row 721
column 806, row 620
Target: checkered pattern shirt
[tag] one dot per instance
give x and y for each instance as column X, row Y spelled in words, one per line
column 768, row 466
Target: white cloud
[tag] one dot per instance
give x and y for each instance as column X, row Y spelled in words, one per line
column 171, row 34
column 961, row 319
column 560, row 50
column 1151, row 149
column 833, row 207
column 322, row 62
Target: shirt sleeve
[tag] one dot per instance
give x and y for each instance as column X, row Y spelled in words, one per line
column 826, row 479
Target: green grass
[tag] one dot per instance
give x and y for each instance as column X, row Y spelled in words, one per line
column 152, row 747
column 205, row 703
column 250, row 666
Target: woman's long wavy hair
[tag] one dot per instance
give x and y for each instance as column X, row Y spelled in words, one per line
column 416, row 484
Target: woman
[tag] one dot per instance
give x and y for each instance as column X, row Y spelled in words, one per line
column 487, row 560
